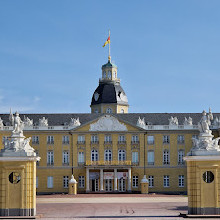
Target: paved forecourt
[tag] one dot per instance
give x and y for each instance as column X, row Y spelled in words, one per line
column 111, row 206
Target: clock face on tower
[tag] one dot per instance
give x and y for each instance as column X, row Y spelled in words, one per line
column 96, row 96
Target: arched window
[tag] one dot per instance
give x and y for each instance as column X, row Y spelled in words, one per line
column 108, row 110
column 108, row 155
column 94, row 155
column 121, row 155
column 122, row 110
column 104, row 75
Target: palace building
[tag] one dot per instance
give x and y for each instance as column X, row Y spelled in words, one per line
column 109, row 149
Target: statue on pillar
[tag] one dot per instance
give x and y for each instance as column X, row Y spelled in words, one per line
column 205, row 144
column 17, row 143
column 18, row 125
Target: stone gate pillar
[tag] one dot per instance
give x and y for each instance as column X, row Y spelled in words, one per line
column 18, row 174
column 203, row 172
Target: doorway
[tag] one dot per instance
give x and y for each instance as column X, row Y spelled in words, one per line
column 95, row 185
column 108, row 185
column 121, row 185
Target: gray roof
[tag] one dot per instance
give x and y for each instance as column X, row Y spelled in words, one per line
column 109, row 92
column 150, row 118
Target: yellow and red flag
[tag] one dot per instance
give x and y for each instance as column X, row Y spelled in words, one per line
column 107, row 42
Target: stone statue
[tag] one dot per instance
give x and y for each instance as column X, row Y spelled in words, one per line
column 1, row 122
column 188, row 121
column 18, row 125
column 43, row 122
column 216, row 121
column 74, row 122
column 205, row 144
column 17, row 144
column 141, row 122
column 205, row 123
column 173, row 121
column 28, row 122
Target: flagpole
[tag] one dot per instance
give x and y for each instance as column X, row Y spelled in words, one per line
column 109, row 56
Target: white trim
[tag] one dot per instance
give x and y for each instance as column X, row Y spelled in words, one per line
column 20, row 158
column 201, row 158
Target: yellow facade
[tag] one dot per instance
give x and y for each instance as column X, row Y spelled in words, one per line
column 203, row 189
column 157, row 171
column 103, row 108
column 17, row 187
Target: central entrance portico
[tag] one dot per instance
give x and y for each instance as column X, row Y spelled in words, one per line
column 108, row 179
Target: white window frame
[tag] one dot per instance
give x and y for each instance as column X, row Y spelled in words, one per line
column 166, row 181
column 181, row 155
column 150, row 157
column 94, row 155
column 108, row 155
column 135, row 139
column 135, row 157
column 180, row 139
column 181, row 181
column 121, row 155
column 150, row 140
column 65, row 181
column 65, row 139
column 94, row 138
column 151, row 181
column 135, row 181
column 50, row 182
column 50, row 157
column 121, row 138
column 108, row 138
column 166, row 157
column 81, row 181
column 66, row 157
column 81, row 158
column 35, row 139
column 81, row 139
column 50, row 139
column 166, row 139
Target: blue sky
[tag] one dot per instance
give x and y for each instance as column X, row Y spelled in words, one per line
column 167, row 53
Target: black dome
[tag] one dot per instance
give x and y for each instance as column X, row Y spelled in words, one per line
column 109, row 92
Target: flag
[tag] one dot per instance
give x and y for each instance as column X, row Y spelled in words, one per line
column 107, row 41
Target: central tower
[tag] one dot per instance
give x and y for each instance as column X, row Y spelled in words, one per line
column 109, row 97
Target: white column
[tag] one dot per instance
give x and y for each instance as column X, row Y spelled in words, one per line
column 129, row 179
column 87, row 180
column 101, row 179
column 115, row 179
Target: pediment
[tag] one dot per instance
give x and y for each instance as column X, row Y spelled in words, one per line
column 108, row 123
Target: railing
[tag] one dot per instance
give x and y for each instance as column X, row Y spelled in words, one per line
column 110, row 163
column 94, row 142
column 35, row 142
column 134, row 142
column 50, row 142
column 50, row 164
column 65, row 142
column 147, row 127
column 107, row 142
column 121, row 142
column 81, row 142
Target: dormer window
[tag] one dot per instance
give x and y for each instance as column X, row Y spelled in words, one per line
column 109, row 74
